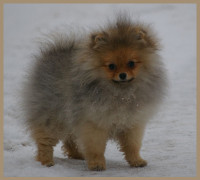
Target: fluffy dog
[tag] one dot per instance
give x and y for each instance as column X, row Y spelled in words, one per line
column 103, row 85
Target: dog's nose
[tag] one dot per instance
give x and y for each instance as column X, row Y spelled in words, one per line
column 122, row 76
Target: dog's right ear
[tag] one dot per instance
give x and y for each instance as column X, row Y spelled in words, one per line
column 98, row 40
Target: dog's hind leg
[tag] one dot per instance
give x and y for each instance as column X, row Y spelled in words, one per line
column 70, row 149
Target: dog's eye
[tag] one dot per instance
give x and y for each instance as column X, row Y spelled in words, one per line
column 112, row 66
column 131, row 64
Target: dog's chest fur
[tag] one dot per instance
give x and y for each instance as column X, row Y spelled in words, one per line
column 107, row 107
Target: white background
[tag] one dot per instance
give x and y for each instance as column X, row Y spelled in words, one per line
column 169, row 143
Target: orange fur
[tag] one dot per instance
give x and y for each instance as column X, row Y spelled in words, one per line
column 45, row 142
column 92, row 141
column 70, row 149
column 130, row 142
column 120, row 58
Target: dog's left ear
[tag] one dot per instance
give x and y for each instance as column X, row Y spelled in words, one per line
column 99, row 39
column 143, row 38
column 140, row 34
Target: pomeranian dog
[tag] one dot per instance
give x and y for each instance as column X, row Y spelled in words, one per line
column 103, row 85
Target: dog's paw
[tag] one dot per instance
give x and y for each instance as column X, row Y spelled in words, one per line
column 45, row 162
column 138, row 163
column 96, row 165
column 97, row 168
column 48, row 164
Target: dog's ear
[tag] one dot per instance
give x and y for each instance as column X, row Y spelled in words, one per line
column 140, row 34
column 99, row 39
column 145, row 39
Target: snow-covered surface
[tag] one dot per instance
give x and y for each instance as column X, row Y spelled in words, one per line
column 169, row 143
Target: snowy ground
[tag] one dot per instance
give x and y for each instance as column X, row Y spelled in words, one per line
column 169, row 144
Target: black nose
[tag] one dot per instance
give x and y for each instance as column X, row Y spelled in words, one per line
column 122, row 76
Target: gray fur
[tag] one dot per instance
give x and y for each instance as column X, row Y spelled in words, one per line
column 65, row 88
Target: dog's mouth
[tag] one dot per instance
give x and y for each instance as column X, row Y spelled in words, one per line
column 123, row 81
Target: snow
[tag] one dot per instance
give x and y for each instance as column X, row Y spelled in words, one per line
column 169, row 143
